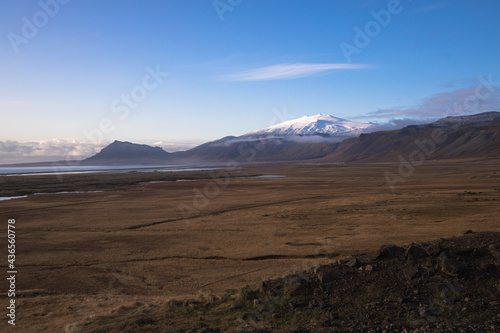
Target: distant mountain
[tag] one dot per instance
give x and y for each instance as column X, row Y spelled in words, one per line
column 119, row 153
column 474, row 136
column 304, row 138
column 320, row 124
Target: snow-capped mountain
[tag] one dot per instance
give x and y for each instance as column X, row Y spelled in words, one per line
column 320, row 124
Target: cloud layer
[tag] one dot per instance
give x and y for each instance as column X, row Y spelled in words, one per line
column 43, row 151
column 12, row 152
column 289, row 71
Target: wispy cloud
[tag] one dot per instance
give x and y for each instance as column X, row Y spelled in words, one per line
column 430, row 8
column 289, row 71
column 453, row 103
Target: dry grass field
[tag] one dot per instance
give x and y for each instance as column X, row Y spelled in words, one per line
column 88, row 254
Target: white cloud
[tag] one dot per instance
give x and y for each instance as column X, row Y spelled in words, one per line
column 289, row 71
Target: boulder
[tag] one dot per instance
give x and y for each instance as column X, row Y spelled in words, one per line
column 326, row 273
column 387, row 251
column 352, row 262
column 433, row 249
column 296, row 286
column 415, row 252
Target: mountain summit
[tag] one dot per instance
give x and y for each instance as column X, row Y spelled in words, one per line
column 298, row 139
column 320, row 124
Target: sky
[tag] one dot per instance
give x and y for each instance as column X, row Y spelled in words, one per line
column 77, row 75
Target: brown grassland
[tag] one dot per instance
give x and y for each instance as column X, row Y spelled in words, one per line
column 83, row 255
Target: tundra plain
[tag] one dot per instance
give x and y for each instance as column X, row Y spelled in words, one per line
column 84, row 255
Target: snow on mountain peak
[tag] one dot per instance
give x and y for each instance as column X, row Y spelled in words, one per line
column 319, row 124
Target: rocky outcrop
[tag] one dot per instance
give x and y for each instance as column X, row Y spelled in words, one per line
column 449, row 285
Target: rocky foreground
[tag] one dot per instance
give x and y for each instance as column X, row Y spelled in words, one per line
column 449, row 285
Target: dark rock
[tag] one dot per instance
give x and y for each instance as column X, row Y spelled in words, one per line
column 439, row 287
column 410, row 272
column 333, row 315
column 495, row 253
column 352, row 262
column 467, row 232
column 415, row 252
column 467, row 252
column 423, row 311
column 325, row 273
column 443, row 256
column 387, row 251
column 433, row 249
column 452, row 267
column 487, row 267
column 296, row 287
column 250, row 294
column 211, row 330
column 271, row 288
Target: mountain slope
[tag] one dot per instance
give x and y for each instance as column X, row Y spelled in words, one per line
column 465, row 136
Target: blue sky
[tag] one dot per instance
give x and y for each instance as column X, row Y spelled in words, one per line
column 234, row 66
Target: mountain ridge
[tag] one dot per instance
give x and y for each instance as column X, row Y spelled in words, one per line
column 470, row 136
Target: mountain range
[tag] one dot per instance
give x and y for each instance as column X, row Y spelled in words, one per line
column 325, row 138
column 322, row 138
column 303, row 138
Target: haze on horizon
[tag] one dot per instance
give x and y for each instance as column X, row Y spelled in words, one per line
column 78, row 75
